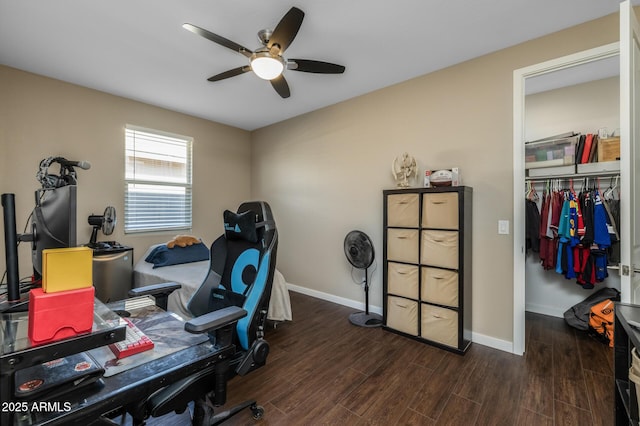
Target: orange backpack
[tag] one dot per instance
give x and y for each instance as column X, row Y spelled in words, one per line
column 601, row 321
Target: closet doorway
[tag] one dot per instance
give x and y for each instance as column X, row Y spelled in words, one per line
column 594, row 65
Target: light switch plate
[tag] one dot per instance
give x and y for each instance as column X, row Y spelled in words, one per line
column 503, row 227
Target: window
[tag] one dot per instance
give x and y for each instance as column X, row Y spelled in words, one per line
column 157, row 181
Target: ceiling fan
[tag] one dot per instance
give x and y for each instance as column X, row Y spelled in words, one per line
column 267, row 61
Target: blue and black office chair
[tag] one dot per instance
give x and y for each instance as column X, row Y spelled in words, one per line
column 231, row 305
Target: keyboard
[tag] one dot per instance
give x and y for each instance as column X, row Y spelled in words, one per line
column 135, row 342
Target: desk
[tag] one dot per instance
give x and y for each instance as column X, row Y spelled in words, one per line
column 625, row 339
column 85, row 405
column 16, row 352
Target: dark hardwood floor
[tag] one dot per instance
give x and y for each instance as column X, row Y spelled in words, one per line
column 323, row 370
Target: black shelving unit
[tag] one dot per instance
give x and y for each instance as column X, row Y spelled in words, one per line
column 427, row 237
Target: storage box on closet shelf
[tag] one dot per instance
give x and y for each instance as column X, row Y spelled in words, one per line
column 573, row 154
column 607, row 159
column 554, row 151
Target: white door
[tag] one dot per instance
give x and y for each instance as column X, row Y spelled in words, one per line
column 629, row 153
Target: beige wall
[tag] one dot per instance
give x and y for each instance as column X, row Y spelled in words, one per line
column 41, row 117
column 324, row 172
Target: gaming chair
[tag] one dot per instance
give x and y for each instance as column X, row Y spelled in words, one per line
column 239, row 282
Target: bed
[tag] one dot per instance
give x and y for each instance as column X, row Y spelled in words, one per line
column 191, row 275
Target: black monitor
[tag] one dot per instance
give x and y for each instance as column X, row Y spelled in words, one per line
column 53, row 224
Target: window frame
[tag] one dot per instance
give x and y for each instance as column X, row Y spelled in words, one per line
column 187, row 212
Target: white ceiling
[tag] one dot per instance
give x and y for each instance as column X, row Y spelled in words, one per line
column 139, row 50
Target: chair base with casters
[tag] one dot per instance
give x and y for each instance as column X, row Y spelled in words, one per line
column 204, row 412
column 205, row 402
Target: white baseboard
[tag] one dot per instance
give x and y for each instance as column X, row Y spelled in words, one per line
column 335, row 299
column 478, row 338
column 492, row 342
column 545, row 310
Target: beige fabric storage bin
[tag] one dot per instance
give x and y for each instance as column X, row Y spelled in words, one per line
column 439, row 324
column 440, row 210
column 402, row 245
column 440, row 286
column 440, row 248
column 402, row 280
column 402, row 315
column 403, row 210
column 634, row 373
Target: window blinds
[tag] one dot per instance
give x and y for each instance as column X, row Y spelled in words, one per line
column 157, row 181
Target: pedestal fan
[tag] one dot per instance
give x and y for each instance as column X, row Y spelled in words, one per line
column 360, row 253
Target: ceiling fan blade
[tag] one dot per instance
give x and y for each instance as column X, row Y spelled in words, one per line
column 218, row 39
column 286, row 30
column 230, row 73
column 318, row 67
column 281, row 86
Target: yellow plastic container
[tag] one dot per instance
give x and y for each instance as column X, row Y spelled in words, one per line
column 67, row 269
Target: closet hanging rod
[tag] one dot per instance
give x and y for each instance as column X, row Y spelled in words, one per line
column 574, row 176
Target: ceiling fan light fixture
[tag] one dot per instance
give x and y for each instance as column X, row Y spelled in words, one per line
column 267, row 61
column 266, row 66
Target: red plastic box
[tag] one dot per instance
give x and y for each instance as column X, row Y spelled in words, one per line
column 55, row 316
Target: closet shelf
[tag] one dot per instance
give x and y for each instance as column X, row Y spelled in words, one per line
column 574, row 175
column 598, row 169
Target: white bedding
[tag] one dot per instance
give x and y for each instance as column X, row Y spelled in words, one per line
column 191, row 275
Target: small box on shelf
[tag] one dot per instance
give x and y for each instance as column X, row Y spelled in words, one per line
column 551, row 152
column 609, row 149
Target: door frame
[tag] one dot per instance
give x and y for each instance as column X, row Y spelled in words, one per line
column 519, row 82
column 629, row 152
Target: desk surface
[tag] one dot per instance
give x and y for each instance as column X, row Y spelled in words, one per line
column 630, row 312
column 17, row 352
column 112, row 392
column 15, row 327
column 165, row 330
column 127, row 387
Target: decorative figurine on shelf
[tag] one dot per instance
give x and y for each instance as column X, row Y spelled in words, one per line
column 404, row 168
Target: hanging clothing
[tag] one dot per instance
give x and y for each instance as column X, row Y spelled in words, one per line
column 614, row 251
column 601, row 235
column 611, row 222
column 584, row 267
column 573, row 219
column 573, row 234
column 556, row 211
column 587, row 215
column 532, row 226
column 564, row 262
column 547, row 243
column 600, row 261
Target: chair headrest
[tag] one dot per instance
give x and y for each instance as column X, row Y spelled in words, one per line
column 262, row 210
column 250, row 222
column 263, row 214
column 240, row 226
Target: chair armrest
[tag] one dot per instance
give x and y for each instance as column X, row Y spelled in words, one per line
column 154, row 289
column 160, row 291
column 215, row 320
